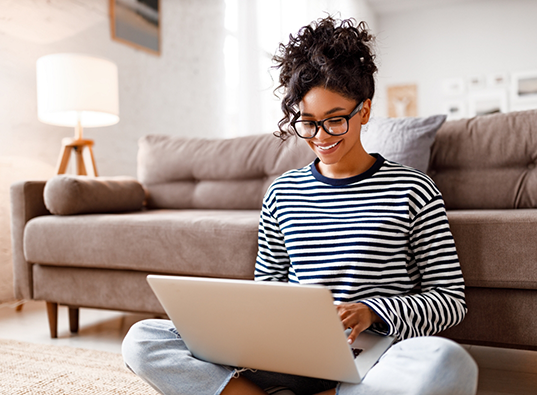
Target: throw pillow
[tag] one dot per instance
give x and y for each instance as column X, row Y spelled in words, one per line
column 407, row 141
column 67, row 194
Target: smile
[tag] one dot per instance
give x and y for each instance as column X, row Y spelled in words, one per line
column 327, row 147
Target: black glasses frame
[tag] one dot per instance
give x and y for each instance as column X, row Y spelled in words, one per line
column 320, row 123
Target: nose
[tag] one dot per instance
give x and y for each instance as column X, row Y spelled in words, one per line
column 321, row 134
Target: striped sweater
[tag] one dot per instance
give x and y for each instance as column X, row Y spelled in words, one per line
column 381, row 238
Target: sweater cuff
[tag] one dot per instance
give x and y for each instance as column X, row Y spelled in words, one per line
column 387, row 327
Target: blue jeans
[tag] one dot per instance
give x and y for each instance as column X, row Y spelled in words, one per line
column 424, row 365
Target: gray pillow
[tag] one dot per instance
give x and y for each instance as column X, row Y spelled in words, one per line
column 407, row 141
column 69, row 194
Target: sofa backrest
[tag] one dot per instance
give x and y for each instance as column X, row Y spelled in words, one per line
column 487, row 162
column 233, row 173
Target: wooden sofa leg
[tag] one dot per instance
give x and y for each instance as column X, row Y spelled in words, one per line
column 73, row 319
column 52, row 313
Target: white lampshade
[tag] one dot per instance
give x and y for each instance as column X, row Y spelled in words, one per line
column 76, row 87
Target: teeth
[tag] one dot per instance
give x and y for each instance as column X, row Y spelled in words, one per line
column 327, row 148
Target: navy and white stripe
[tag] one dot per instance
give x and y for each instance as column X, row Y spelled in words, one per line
column 381, row 238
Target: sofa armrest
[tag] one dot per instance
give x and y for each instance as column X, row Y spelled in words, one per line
column 27, row 202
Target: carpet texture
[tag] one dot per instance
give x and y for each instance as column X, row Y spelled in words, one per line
column 27, row 368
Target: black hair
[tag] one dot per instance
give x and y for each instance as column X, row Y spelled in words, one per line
column 329, row 53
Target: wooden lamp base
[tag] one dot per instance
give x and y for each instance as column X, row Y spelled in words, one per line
column 77, row 145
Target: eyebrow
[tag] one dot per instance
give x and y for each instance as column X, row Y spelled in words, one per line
column 333, row 110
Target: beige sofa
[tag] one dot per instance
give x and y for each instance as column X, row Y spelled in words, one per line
column 201, row 219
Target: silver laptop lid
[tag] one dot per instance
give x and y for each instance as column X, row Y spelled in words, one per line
column 271, row 326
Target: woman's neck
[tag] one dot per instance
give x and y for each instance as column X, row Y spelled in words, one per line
column 360, row 163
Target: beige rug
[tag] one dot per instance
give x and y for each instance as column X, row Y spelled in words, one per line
column 27, row 368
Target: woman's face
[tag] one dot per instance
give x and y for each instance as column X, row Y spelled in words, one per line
column 340, row 156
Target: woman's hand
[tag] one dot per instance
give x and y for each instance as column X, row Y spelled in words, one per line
column 357, row 317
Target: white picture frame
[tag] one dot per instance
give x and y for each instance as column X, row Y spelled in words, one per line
column 476, row 82
column 454, row 87
column 454, row 109
column 488, row 101
column 524, row 90
column 498, row 80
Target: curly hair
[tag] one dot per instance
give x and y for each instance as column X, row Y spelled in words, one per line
column 336, row 55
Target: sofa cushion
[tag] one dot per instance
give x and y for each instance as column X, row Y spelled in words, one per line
column 497, row 248
column 215, row 243
column 68, row 194
column 95, row 288
column 487, row 162
column 234, row 173
column 404, row 140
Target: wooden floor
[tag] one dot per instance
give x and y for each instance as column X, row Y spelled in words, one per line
column 501, row 371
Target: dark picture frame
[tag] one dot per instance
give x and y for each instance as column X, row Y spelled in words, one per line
column 136, row 23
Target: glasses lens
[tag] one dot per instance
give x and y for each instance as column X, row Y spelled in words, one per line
column 335, row 126
column 305, row 129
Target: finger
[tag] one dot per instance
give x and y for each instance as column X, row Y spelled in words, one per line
column 356, row 330
column 349, row 318
column 354, row 333
column 350, row 322
column 344, row 314
column 342, row 308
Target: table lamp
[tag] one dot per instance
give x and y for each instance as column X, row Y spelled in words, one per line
column 79, row 91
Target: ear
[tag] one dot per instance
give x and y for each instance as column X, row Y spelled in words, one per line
column 365, row 113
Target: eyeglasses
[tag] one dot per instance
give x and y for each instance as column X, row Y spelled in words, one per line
column 335, row 126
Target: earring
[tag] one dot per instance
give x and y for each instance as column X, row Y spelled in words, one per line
column 365, row 127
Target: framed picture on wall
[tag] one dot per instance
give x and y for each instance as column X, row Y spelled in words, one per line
column 453, row 87
column 488, row 101
column 402, row 100
column 524, row 90
column 455, row 109
column 497, row 80
column 476, row 82
column 136, row 23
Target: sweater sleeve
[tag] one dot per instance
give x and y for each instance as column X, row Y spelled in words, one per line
column 439, row 303
column 272, row 263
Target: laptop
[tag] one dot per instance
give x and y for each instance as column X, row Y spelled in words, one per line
column 272, row 326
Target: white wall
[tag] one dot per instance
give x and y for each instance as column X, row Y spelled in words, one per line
column 260, row 27
column 429, row 45
column 179, row 93
column 158, row 94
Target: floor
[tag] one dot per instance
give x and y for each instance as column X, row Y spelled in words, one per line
column 501, row 371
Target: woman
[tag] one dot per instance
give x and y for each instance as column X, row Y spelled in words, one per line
column 373, row 231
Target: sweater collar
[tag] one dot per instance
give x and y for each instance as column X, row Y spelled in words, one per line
column 349, row 180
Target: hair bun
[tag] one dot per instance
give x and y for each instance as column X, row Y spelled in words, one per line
column 335, row 54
